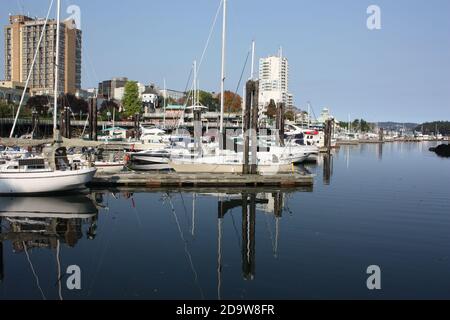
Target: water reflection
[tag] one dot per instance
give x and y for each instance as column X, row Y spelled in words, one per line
column 254, row 243
column 35, row 223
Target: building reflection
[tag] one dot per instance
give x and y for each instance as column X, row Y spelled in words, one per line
column 45, row 222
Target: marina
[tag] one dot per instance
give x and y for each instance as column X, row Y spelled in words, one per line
column 225, row 243
column 223, row 157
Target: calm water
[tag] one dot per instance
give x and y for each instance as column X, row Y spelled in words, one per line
column 369, row 206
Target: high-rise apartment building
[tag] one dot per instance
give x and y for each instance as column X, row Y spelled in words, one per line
column 274, row 82
column 21, row 42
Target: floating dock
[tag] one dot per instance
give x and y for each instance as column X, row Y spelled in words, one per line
column 189, row 180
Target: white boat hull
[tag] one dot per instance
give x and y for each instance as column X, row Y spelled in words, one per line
column 186, row 167
column 44, row 181
column 109, row 167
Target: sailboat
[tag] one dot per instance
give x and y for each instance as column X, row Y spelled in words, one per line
column 52, row 172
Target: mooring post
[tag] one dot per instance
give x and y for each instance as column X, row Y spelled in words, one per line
column 280, row 123
column 198, row 130
column 246, row 127
column 254, row 128
column 90, row 109
column 62, row 119
column 34, row 123
column 328, row 135
column 381, row 134
column 68, row 129
column 94, row 119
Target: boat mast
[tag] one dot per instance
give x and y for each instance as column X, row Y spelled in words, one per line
column 252, row 74
column 55, row 99
column 222, row 83
column 309, row 116
column 194, row 93
column 165, row 104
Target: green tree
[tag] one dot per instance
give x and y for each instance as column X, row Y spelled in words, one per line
column 355, row 125
column 271, row 109
column 208, row 100
column 5, row 110
column 289, row 115
column 131, row 101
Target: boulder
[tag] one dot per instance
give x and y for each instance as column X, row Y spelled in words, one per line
column 442, row 150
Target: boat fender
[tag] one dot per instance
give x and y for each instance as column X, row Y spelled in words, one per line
column 126, row 158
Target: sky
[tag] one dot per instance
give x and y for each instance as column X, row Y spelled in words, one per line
column 398, row 73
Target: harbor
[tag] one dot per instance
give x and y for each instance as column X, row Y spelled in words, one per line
column 225, row 242
column 220, row 157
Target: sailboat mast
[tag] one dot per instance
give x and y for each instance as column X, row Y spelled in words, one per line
column 55, row 101
column 165, row 104
column 194, row 94
column 252, row 74
column 222, row 83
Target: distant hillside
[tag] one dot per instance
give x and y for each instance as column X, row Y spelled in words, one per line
column 443, row 127
column 397, row 125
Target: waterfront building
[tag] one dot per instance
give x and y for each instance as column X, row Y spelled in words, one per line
column 21, row 42
column 150, row 99
column 11, row 91
column 274, row 82
column 106, row 89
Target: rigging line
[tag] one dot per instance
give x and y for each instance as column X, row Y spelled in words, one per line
column 186, row 250
column 238, row 85
column 32, row 270
column 209, row 36
column 31, row 69
column 187, row 98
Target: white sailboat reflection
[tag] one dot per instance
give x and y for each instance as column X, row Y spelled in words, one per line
column 44, row 223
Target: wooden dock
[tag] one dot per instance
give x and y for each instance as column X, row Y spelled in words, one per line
column 203, row 180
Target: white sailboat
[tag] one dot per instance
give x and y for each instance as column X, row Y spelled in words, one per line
column 51, row 173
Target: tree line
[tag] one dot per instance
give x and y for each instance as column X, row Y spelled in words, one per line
column 431, row 128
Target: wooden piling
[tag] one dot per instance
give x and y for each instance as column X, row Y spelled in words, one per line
column 280, row 123
column 254, row 128
column 328, row 131
column 198, row 128
column 246, row 127
column 92, row 114
column 381, row 135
